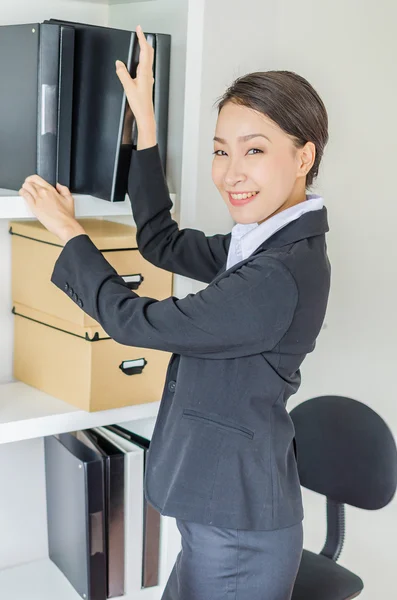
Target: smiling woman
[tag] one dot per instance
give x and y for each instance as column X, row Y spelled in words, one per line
column 270, row 136
column 221, row 458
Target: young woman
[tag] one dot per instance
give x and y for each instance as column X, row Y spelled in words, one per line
column 222, row 458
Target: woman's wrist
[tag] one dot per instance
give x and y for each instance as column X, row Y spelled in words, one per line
column 70, row 230
column 146, row 132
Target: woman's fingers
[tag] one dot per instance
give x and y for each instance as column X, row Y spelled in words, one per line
column 143, row 43
column 145, row 48
column 68, row 199
column 63, row 190
column 31, row 188
column 140, row 34
column 122, row 74
column 146, row 54
column 139, row 90
column 27, row 196
column 37, row 180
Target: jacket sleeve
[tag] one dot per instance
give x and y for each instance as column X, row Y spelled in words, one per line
column 187, row 252
column 245, row 312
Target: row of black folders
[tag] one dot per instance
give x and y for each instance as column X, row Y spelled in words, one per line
column 63, row 111
column 102, row 534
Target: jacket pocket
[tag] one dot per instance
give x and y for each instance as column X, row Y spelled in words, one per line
column 218, row 422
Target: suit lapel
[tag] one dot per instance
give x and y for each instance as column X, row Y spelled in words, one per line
column 308, row 225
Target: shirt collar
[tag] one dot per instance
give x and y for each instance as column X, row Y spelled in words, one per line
column 252, row 235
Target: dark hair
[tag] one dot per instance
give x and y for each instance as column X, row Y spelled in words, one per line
column 290, row 101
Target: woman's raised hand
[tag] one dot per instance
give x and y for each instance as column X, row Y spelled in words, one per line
column 139, row 91
column 53, row 207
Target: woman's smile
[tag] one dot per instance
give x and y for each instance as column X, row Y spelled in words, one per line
column 240, row 198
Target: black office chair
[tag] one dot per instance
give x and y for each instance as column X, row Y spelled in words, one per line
column 346, row 452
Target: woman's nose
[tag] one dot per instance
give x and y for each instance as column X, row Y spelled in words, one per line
column 233, row 174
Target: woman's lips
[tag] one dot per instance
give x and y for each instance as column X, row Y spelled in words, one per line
column 240, row 202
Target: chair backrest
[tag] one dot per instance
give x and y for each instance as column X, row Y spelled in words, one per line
column 345, row 451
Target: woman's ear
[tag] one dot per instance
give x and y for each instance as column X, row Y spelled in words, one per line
column 306, row 158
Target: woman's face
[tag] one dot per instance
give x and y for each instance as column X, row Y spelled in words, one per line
column 256, row 167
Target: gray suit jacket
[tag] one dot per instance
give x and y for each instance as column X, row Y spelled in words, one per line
column 222, row 451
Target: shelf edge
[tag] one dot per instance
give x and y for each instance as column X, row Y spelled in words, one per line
column 15, row 207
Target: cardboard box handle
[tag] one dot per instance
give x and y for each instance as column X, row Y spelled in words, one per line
column 133, row 367
column 133, row 281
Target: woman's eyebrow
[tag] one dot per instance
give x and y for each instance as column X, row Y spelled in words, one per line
column 243, row 138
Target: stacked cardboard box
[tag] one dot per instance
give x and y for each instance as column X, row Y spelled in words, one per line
column 61, row 350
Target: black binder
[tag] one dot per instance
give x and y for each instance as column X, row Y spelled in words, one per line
column 133, row 509
column 114, row 501
column 65, row 104
column 104, row 131
column 139, row 432
column 76, row 514
column 36, row 73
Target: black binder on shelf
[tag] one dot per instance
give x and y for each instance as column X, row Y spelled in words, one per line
column 114, row 502
column 133, row 508
column 36, row 73
column 76, row 513
column 139, row 432
column 104, row 131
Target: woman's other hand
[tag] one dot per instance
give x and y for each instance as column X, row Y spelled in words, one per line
column 54, row 208
column 139, row 92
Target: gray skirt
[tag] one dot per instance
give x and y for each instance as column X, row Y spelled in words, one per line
column 234, row 564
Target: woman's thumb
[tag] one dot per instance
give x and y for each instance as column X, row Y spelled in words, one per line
column 122, row 72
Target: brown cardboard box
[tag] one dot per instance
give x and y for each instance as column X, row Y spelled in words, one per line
column 82, row 365
column 35, row 251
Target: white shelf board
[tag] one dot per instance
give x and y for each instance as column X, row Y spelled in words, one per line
column 27, row 413
column 110, row 2
column 42, row 580
column 38, row 580
column 13, row 206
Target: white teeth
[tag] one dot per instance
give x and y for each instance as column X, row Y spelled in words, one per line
column 243, row 196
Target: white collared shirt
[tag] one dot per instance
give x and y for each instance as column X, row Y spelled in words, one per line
column 246, row 238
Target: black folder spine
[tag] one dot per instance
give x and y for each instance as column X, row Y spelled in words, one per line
column 161, row 91
column 124, row 142
column 65, row 104
column 96, row 524
column 48, row 79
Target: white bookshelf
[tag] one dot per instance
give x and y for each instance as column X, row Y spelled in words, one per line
column 13, row 206
column 27, row 413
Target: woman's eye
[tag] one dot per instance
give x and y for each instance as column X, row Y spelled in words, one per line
column 255, row 151
column 251, row 151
